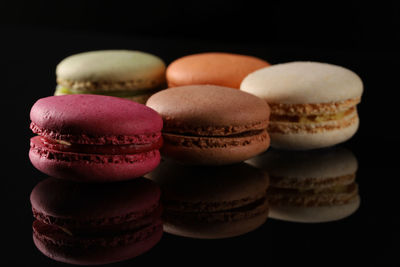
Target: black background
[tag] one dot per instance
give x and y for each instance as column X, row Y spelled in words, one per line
column 364, row 37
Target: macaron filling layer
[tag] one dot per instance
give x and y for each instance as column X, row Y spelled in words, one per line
column 258, row 207
column 56, row 236
column 126, row 221
column 334, row 189
column 96, row 140
column 313, row 108
column 241, row 139
column 94, row 159
column 184, row 128
column 326, row 196
column 107, row 149
column 313, row 118
column 208, row 206
column 137, row 84
column 234, row 135
column 40, row 149
column 62, row 90
column 281, row 127
column 310, row 183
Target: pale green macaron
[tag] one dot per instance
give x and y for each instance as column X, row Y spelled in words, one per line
column 128, row 74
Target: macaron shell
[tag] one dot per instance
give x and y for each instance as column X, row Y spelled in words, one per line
column 97, row 254
column 205, row 106
column 306, row 141
column 316, row 214
column 303, row 82
column 222, row 69
column 87, row 171
column 94, row 115
column 111, row 65
column 225, row 153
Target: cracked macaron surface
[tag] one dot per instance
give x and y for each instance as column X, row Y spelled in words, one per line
column 211, row 125
column 313, row 104
column 94, row 138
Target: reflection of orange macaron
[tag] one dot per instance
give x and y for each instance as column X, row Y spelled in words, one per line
column 222, row 69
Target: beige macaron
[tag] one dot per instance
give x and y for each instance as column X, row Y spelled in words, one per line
column 313, row 105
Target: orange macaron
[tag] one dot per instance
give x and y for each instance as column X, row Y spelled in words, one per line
column 224, row 69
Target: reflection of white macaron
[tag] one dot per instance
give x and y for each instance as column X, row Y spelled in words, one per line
column 316, row 214
column 314, row 186
column 313, row 105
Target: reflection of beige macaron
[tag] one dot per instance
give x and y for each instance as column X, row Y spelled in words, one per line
column 129, row 74
column 212, row 202
column 314, row 186
column 313, row 104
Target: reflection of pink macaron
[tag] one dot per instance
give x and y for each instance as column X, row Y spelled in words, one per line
column 82, row 223
column 94, row 138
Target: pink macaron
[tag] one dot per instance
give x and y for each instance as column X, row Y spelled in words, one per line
column 94, row 138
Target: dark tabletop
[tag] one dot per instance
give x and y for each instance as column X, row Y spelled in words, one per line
column 361, row 38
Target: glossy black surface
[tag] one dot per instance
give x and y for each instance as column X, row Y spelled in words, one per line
column 365, row 43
